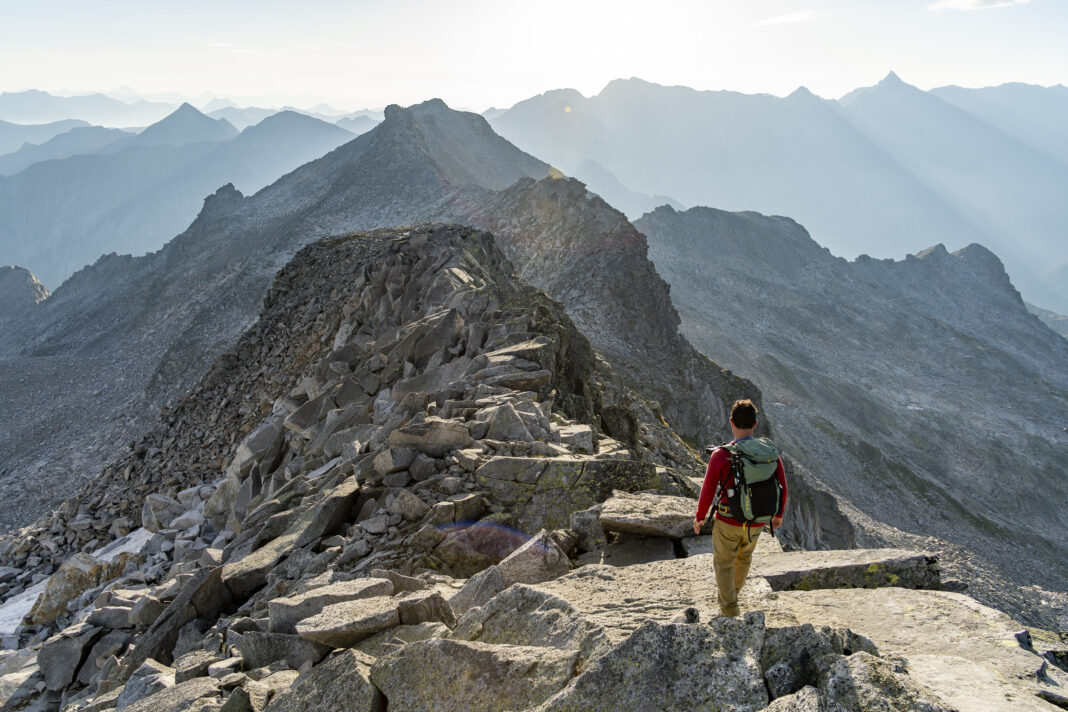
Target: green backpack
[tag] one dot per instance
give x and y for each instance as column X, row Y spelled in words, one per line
column 753, row 493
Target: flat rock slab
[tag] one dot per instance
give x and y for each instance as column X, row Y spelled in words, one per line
column 177, row 698
column 447, row 675
column 285, row 612
column 621, row 598
column 848, row 568
column 342, row 625
column 649, row 515
column 262, row 649
column 675, row 666
column 962, row 650
column 341, row 682
column 524, row 615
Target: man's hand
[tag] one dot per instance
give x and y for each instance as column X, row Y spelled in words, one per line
column 697, row 523
column 776, row 522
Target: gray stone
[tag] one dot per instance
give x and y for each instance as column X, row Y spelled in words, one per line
column 194, row 664
column 394, row 459
column 285, row 612
column 146, row 680
column 796, row 656
column 506, row 425
column 853, row 568
column 434, row 437
column 524, row 615
column 343, row 624
column 341, row 682
column 649, row 515
column 539, row 559
column 578, row 438
column 158, row 511
column 807, row 699
column 186, row 520
column 110, row 617
column 401, row 583
column 110, row 646
column 262, row 649
column 203, row 596
column 467, row 507
column 450, row 485
column 146, row 611
column 397, row 479
column 423, row 467
column 62, row 654
column 864, row 682
column 479, row 588
column 675, row 667
column 424, row 675
column 408, row 506
column 178, row 698
column 424, row 607
column 387, row 641
column 587, row 524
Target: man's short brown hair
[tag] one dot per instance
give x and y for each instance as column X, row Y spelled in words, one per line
column 743, row 414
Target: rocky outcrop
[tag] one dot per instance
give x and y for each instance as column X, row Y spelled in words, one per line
column 349, row 553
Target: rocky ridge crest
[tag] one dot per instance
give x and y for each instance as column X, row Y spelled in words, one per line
column 403, row 417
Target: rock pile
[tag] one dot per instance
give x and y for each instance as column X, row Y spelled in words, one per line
column 366, row 542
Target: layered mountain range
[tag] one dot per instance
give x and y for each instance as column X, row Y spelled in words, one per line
column 126, row 335
column 883, row 171
column 922, row 391
column 133, row 194
column 284, row 463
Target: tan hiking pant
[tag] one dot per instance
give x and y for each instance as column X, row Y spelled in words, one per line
column 732, row 553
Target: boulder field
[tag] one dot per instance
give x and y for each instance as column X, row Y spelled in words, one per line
column 421, row 509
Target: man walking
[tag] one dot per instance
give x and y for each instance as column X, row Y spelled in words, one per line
column 733, row 541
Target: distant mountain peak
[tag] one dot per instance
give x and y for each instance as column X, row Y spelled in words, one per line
column 892, row 79
column 186, row 124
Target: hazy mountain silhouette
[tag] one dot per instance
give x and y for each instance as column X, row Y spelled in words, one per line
column 242, row 118
column 58, row 216
column 14, row 136
column 1011, row 191
column 865, row 175
column 1036, row 115
column 184, row 125
column 77, row 141
column 357, row 124
column 33, row 106
column 631, row 203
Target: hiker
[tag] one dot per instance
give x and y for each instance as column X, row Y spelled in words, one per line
column 741, row 511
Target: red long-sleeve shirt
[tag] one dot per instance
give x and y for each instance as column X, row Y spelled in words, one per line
column 719, row 474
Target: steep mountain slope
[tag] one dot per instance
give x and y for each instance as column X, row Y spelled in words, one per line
column 822, row 163
column 1057, row 322
column 14, row 136
column 79, row 140
column 58, row 216
column 1012, row 192
column 1036, row 115
column 921, row 391
column 184, row 125
column 129, row 334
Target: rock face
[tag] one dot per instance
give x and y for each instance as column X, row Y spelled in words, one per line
column 364, row 543
column 19, row 291
column 929, row 355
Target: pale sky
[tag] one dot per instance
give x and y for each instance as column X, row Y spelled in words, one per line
column 480, row 53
